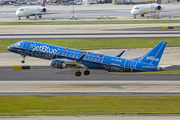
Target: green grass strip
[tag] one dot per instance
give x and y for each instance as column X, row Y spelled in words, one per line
column 88, row 22
column 87, row 105
column 98, row 43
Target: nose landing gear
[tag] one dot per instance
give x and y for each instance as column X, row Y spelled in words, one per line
column 23, row 61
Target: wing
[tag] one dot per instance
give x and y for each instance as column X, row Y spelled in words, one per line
column 67, row 63
column 42, row 13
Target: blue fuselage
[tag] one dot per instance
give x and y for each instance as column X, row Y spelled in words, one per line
column 90, row 60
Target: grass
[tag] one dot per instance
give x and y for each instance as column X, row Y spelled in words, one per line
column 88, row 22
column 98, row 43
column 86, row 105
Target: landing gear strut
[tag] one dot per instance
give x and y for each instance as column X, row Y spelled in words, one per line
column 23, row 61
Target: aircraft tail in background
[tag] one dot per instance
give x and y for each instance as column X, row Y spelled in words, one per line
column 154, row 55
column 43, row 3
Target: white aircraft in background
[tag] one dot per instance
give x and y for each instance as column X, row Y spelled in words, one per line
column 33, row 11
column 145, row 9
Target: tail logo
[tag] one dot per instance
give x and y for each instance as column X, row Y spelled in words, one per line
column 152, row 58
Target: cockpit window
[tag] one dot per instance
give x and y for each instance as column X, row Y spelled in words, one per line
column 136, row 8
column 18, row 43
column 21, row 10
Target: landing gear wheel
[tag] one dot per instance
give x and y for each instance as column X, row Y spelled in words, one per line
column 86, row 72
column 78, row 73
column 19, row 18
column 134, row 17
column 40, row 17
column 22, row 61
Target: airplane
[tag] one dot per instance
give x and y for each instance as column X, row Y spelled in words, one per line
column 62, row 57
column 146, row 8
column 33, row 11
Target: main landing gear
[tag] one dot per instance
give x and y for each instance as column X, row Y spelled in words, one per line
column 23, row 61
column 78, row 73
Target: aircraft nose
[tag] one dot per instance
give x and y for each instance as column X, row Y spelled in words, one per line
column 134, row 12
column 9, row 48
column 18, row 13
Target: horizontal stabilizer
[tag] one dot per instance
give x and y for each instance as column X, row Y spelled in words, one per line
column 120, row 54
column 164, row 66
column 149, row 67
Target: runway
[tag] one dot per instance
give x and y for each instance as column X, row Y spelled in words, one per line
column 139, row 34
column 97, row 117
column 97, row 31
column 91, row 12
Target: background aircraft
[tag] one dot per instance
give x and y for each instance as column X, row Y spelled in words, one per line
column 146, row 8
column 62, row 57
column 33, row 11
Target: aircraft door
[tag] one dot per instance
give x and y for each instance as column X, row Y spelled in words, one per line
column 29, row 48
column 58, row 52
column 127, row 66
column 133, row 65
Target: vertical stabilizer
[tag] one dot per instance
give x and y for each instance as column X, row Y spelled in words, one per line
column 154, row 55
column 43, row 3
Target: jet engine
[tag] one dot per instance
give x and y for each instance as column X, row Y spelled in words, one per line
column 158, row 7
column 43, row 10
column 58, row 64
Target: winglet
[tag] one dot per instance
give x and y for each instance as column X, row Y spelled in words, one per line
column 120, row 54
column 81, row 58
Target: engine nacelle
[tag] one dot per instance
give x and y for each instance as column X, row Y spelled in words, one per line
column 158, row 7
column 43, row 10
column 58, row 64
